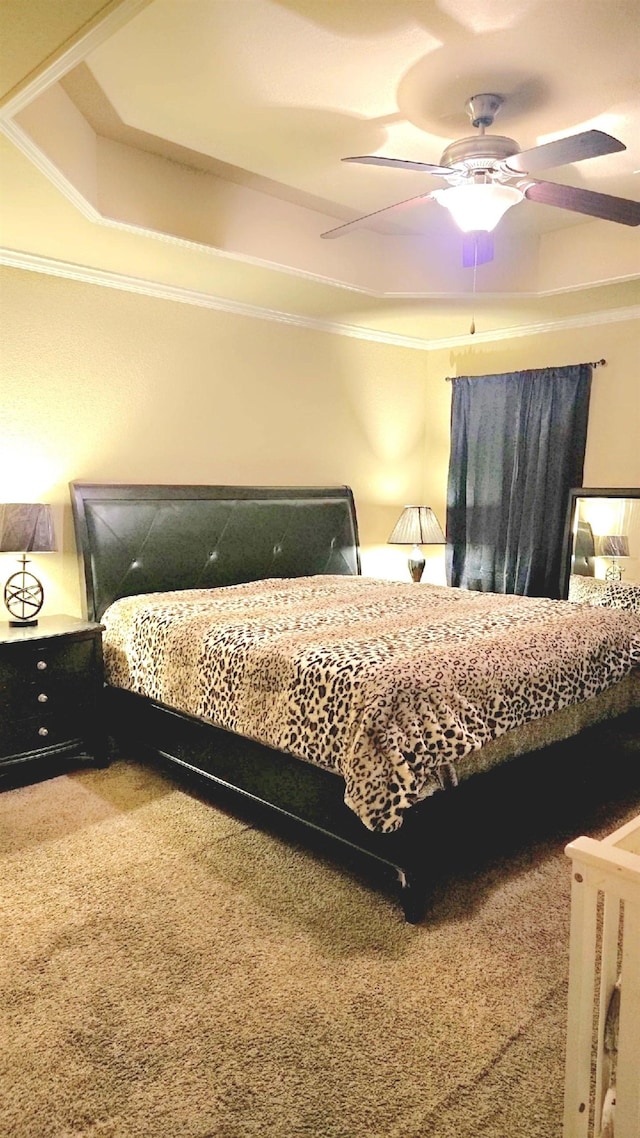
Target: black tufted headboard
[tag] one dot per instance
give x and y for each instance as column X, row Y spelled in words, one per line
column 145, row 539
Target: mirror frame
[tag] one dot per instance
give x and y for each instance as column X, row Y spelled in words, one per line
column 585, row 492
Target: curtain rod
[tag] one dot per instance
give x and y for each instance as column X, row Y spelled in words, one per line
column 590, row 363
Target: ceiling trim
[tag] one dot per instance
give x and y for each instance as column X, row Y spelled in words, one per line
column 245, row 258
column 56, row 176
column 116, row 13
column 50, row 266
column 28, row 147
column 100, row 28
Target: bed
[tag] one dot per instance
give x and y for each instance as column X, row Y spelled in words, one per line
column 310, row 714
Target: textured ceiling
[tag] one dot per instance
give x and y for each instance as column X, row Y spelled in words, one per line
column 219, row 126
column 285, row 90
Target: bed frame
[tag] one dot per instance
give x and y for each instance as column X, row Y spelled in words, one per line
column 153, row 538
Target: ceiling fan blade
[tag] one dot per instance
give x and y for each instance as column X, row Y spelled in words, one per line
column 401, row 163
column 606, row 206
column 588, row 144
column 340, row 229
column 477, row 248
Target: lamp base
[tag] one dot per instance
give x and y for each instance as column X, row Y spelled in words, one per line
column 22, row 623
column 23, row 596
column 613, row 571
column 416, row 564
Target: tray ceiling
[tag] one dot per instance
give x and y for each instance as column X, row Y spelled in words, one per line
column 219, row 127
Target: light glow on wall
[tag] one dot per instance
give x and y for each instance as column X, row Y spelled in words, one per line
column 604, row 515
column 26, row 474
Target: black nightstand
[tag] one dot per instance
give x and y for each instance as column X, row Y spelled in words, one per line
column 51, row 691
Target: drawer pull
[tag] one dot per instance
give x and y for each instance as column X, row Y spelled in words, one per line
column 43, row 731
column 41, row 665
column 42, row 698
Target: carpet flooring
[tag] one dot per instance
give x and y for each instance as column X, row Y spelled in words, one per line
column 169, row 970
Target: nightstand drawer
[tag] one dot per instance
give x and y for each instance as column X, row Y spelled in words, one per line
column 45, row 662
column 38, row 733
column 52, row 696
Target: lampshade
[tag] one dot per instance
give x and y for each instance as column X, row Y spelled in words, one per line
column 613, row 545
column 417, row 525
column 478, row 205
column 26, row 527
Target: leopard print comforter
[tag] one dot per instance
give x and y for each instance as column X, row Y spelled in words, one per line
column 605, row 594
column 386, row 683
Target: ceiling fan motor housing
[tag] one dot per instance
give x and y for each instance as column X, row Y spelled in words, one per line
column 478, row 154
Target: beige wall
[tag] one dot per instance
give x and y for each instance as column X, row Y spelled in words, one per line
column 105, row 385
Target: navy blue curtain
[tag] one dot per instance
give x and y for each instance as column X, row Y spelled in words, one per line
column 517, row 448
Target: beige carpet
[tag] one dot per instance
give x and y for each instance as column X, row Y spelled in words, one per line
column 169, row 971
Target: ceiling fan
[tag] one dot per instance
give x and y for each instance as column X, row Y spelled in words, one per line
column 487, row 174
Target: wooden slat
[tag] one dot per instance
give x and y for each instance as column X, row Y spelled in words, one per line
column 627, row 1116
column 608, row 978
column 582, row 963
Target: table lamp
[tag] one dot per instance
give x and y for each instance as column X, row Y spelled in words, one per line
column 25, row 528
column 613, row 546
column 416, row 526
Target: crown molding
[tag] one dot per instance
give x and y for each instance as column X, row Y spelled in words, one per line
column 111, row 17
column 538, row 294
column 28, row 147
column 55, row 175
column 85, row 274
column 241, row 258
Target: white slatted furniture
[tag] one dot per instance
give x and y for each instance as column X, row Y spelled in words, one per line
column 610, row 867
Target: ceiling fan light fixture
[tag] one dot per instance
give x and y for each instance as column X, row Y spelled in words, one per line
column 478, row 206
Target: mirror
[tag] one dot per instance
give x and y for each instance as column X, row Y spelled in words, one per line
column 602, row 540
